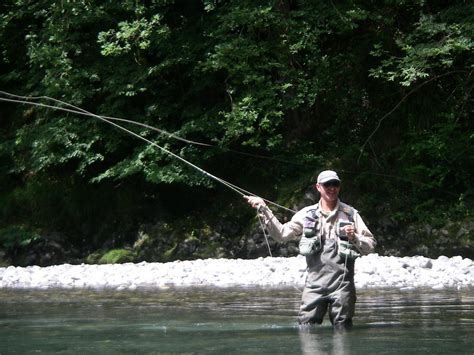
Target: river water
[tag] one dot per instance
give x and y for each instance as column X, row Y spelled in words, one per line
column 223, row 321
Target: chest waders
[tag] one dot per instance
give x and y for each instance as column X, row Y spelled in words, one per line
column 330, row 280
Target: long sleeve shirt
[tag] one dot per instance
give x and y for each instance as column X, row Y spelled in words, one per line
column 363, row 240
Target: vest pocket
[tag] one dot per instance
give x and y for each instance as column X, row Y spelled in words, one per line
column 347, row 250
column 309, row 246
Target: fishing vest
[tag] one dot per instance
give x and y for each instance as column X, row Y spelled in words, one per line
column 311, row 241
column 346, row 249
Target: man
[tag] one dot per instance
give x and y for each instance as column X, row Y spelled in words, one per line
column 332, row 235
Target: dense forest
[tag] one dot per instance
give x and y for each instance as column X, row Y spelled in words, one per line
column 262, row 94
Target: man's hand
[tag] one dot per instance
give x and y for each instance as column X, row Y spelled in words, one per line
column 350, row 231
column 255, row 201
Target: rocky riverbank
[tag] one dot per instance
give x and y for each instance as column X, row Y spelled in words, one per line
column 372, row 271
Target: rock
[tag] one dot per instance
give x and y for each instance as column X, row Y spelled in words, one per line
column 372, row 271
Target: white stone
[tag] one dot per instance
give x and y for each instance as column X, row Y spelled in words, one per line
column 372, row 271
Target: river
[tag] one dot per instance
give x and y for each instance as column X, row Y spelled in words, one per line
column 230, row 320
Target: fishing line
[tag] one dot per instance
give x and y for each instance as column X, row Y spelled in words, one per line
column 137, row 136
column 79, row 110
column 109, row 120
column 264, row 234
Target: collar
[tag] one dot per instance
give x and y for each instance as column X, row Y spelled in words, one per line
column 329, row 214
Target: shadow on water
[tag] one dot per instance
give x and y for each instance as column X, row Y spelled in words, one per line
column 221, row 320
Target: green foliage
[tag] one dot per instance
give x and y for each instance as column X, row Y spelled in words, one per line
column 133, row 37
column 436, row 156
column 117, row 256
column 14, row 237
column 380, row 91
column 436, row 44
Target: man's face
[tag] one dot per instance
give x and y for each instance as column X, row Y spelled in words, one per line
column 329, row 190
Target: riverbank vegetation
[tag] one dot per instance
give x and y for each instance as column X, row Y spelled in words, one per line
column 278, row 90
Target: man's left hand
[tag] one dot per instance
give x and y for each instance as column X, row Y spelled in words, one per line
column 350, row 231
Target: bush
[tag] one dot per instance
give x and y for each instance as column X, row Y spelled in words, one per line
column 117, row 256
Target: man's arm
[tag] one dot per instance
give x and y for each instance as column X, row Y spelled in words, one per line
column 363, row 239
column 291, row 230
column 280, row 232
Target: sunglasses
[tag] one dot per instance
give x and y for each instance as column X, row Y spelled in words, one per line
column 332, row 183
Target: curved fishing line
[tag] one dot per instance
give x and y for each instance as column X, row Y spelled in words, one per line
column 132, row 133
column 264, row 234
column 80, row 111
column 76, row 110
column 159, row 130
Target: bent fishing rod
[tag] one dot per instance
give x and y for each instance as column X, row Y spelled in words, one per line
column 79, row 111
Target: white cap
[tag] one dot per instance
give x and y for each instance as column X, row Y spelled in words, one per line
column 327, row 175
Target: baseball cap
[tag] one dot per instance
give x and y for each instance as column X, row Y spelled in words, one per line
column 327, row 175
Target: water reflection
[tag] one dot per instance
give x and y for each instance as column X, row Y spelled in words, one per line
column 204, row 320
column 324, row 342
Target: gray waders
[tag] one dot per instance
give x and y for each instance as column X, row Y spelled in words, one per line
column 329, row 287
